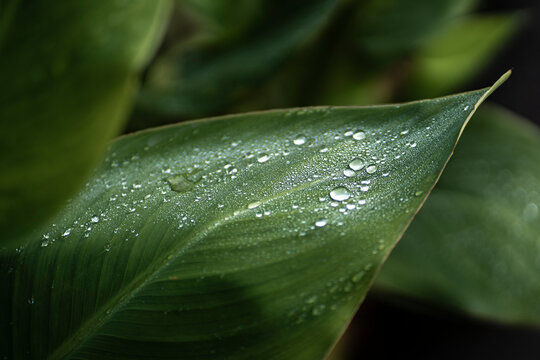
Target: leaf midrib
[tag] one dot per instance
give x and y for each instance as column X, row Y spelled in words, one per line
column 100, row 317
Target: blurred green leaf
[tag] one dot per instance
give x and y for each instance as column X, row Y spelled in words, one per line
column 68, row 73
column 457, row 54
column 475, row 245
column 224, row 20
column 250, row 236
column 191, row 81
column 388, row 29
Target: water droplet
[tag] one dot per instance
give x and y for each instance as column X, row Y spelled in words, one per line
column 94, row 219
column 413, row 145
column 418, row 193
column 340, row 194
column 371, row 169
column 253, row 205
column 349, row 133
column 31, row 301
column 318, row 310
column 67, row 232
column 348, row 173
column 180, row 183
column 356, row 164
column 357, row 277
column 263, row 158
column 351, row 206
column 361, row 202
column 320, row 223
column 466, row 108
column 299, row 140
column 530, row 212
column 404, row 132
column 359, row 135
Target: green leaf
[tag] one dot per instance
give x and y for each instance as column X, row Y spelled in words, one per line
column 458, row 53
column 224, row 20
column 192, row 81
column 248, row 236
column 388, row 29
column 475, row 245
column 67, row 72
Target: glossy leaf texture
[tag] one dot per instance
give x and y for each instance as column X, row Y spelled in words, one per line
column 68, row 71
column 475, row 245
column 251, row 236
column 192, row 81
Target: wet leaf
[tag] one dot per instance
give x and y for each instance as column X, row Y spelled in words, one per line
column 475, row 245
column 249, row 236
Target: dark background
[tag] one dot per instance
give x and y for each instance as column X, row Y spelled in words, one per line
column 402, row 329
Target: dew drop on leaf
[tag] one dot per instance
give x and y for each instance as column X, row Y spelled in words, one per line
column 340, row 194
column 359, row 135
column 299, row 140
column 371, row 169
column 356, row 164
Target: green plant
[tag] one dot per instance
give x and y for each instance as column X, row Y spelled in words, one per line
column 251, row 236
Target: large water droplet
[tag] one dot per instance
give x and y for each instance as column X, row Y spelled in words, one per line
column 356, row 164
column 299, row 140
column 263, row 158
column 320, row 223
column 359, row 135
column 340, row 194
column 180, row 183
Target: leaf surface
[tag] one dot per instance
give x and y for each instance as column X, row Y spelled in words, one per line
column 475, row 245
column 68, row 74
column 248, row 237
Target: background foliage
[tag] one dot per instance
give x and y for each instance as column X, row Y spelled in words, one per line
column 105, row 67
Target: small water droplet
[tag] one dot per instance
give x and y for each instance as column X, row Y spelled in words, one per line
column 466, row 108
column 359, row 135
column 340, row 194
column 404, row 132
column 323, row 150
column 356, row 164
column 320, row 223
column 361, row 202
column 67, row 232
column 299, row 140
column 95, row 219
column 418, row 193
column 349, row 133
column 357, row 277
column 253, row 205
column 263, row 158
column 530, row 212
column 351, row 206
column 31, row 301
column 371, row 169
